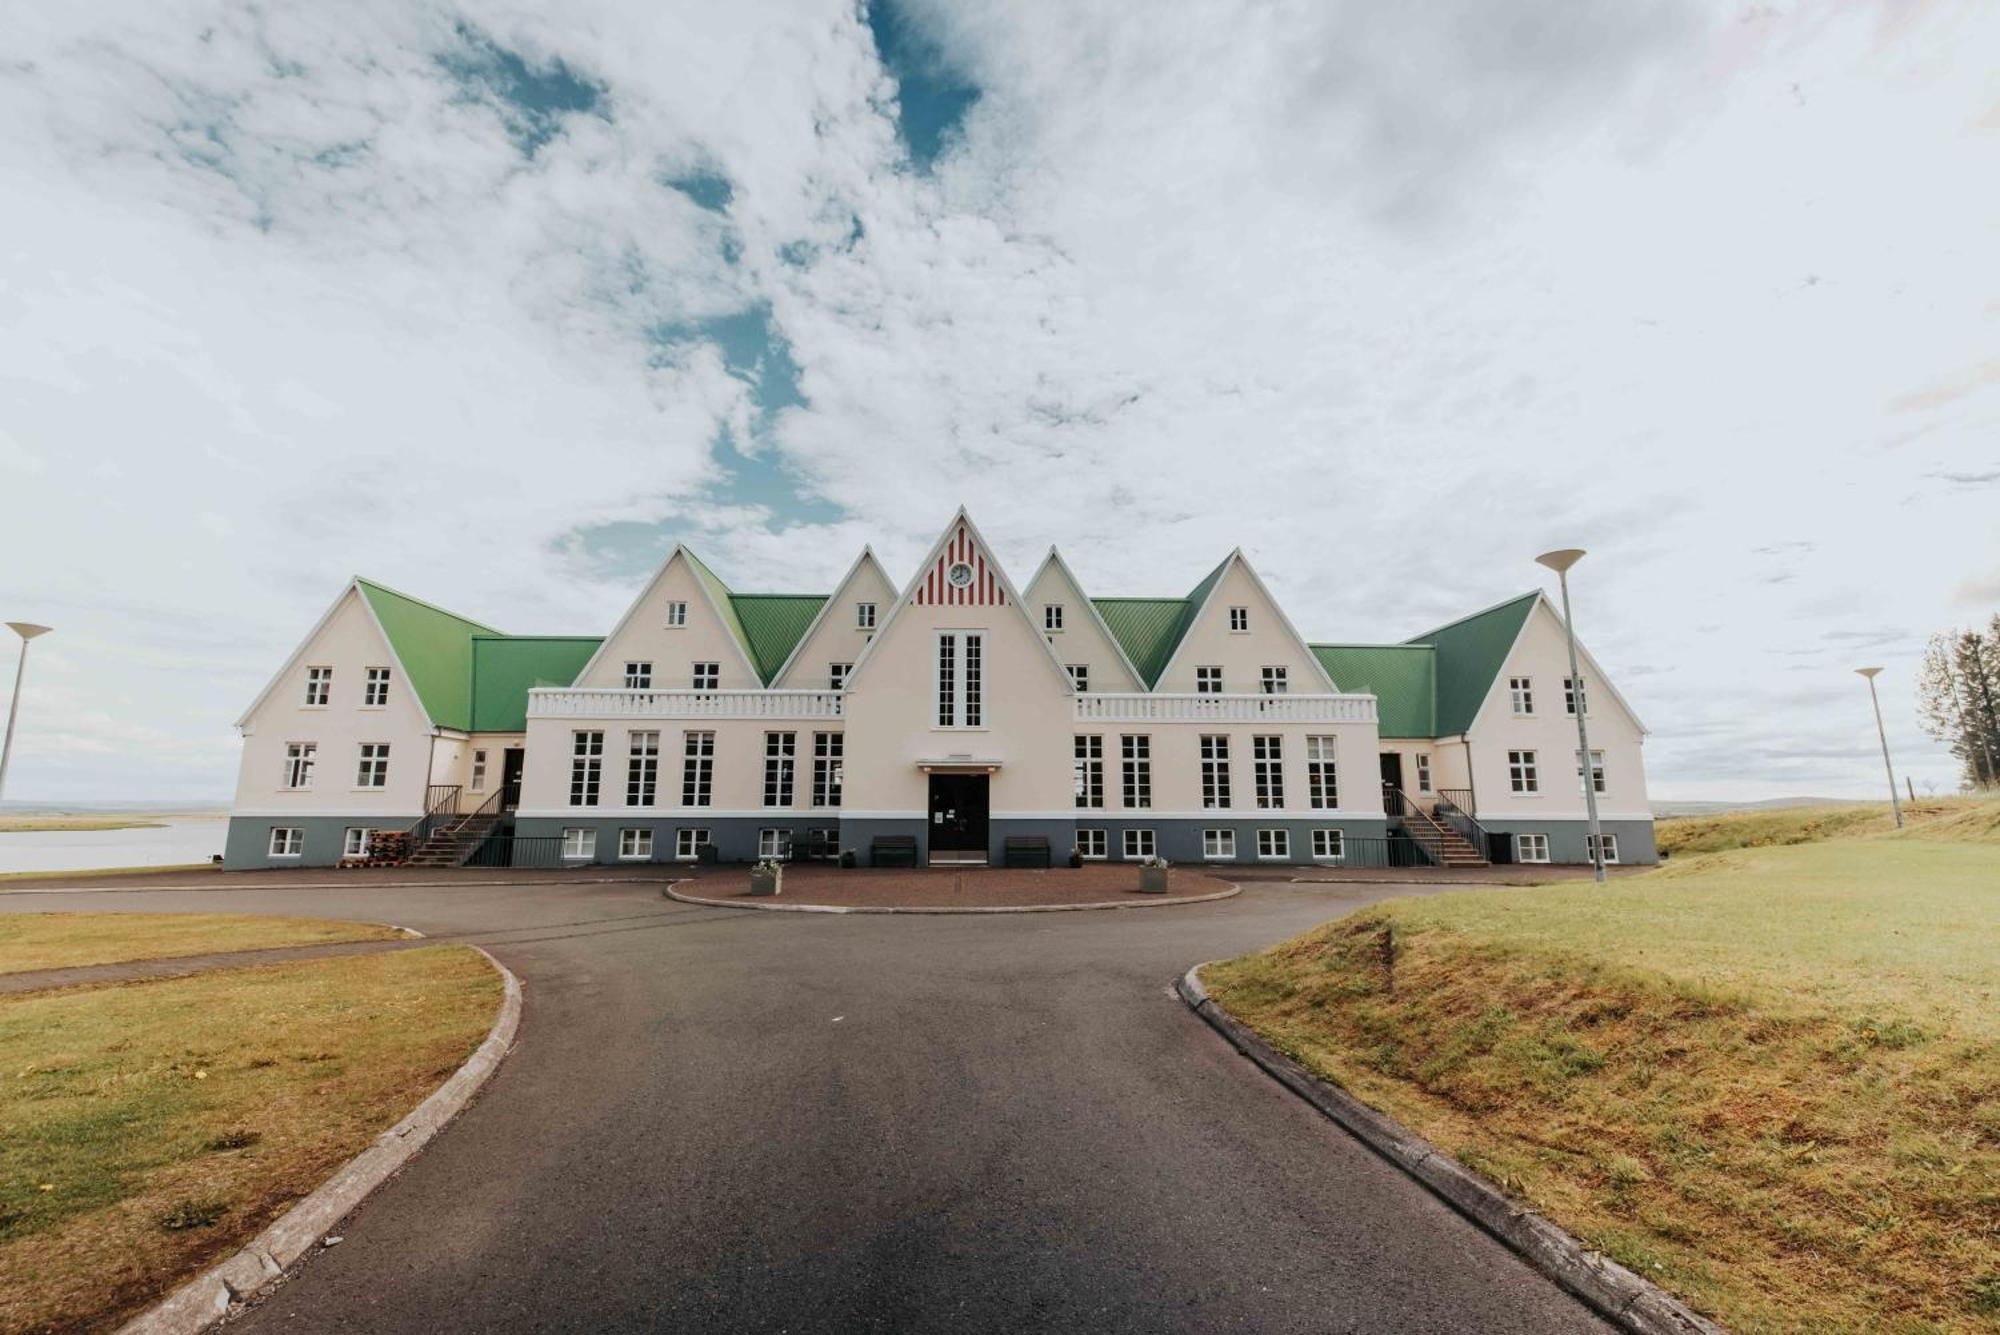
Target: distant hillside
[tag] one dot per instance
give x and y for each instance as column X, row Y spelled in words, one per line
column 1668, row 810
column 1966, row 819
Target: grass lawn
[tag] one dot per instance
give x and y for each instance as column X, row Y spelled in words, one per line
column 65, row 940
column 148, row 1129
column 1768, row 1078
column 43, row 824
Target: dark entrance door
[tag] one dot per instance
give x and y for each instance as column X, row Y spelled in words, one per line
column 511, row 761
column 958, row 815
column 1392, row 781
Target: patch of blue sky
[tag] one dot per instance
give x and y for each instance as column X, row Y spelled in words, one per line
column 533, row 100
column 932, row 95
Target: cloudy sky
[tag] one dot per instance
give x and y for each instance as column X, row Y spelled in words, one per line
column 495, row 301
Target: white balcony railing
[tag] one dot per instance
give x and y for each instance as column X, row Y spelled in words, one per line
column 1176, row 708
column 547, row 702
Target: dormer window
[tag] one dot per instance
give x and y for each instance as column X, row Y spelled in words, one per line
column 638, row 676
column 864, row 616
column 1052, row 617
column 677, row 615
column 1239, row 619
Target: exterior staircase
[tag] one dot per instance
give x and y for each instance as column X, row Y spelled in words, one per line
column 450, row 845
column 1445, row 846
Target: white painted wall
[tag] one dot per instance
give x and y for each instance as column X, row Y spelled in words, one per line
column 1241, row 655
column 1081, row 639
column 737, row 785
column 644, row 636
column 838, row 638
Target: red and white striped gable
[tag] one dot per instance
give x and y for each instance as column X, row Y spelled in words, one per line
column 984, row 589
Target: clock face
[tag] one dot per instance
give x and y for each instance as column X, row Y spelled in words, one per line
column 960, row 575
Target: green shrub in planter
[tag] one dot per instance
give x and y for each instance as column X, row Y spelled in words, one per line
column 767, row 877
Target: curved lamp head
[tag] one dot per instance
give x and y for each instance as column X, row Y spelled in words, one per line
column 28, row 630
column 1560, row 561
column 1867, row 672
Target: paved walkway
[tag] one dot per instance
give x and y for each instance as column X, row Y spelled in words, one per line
column 718, row 1120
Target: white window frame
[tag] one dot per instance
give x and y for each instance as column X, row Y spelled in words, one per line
column 1213, row 749
column 774, row 842
column 285, row 841
column 478, row 784
column 1135, row 771
column 586, row 767
column 704, row 676
column 1596, row 770
column 1573, row 689
column 1274, row 679
column 1218, row 845
column 677, row 615
column 1079, row 677
column 1087, row 771
column 698, row 768
column 351, row 847
column 642, row 768
column 829, row 768
column 1524, row 775
column 1134, row 844
column 638, row 675
column 1267, row 770
column 1093, row 844
column 1521, row 696
column 375, row 689
column 864, row 616
column 1524, row 842
column 1329, row 845
column 837, row 674
column 1323, row 772
column 1274, row 845
column 1239, row 621
column 958, row 684
column 319, row 687
column 688, row 840
column 371, row 772
column 1052, row 618
column 781, row 769
column 635, row 844
column 1423, row 771
column 579, row 843
column 301, row 759
column 1208, row 679
column 1610, row 847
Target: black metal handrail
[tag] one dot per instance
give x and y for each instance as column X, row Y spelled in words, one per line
column 1454, row 807
column 440, row 804
column 1417, row 823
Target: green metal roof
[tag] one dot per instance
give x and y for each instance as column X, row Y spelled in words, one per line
column 1403, row 678
column 506, row 667
column 1470, row 652
column 1150, row 629
column 434, row 647
column 772, row 625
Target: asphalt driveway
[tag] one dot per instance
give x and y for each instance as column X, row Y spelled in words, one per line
column 719, row 1119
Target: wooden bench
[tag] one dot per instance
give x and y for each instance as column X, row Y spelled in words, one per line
column 1026, row 850
column 893, row 850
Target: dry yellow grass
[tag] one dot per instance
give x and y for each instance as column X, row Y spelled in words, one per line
column 66, row 940
column 1768, row 1078
column 1944, row 819
column 148, row 1129
column 44, row 824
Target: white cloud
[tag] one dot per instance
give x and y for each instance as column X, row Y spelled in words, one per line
column 1393, row 298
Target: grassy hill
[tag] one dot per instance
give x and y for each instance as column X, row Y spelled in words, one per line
column 1766, row 1075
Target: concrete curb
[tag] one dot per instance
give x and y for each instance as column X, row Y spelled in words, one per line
column 209, row 1297
column 1148, row 903
column 1625, row 1299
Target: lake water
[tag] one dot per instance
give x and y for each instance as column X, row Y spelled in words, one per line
column 179, row 840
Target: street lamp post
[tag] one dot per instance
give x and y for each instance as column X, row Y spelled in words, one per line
column 1895, row 803
column 27, row 630
column 1560, row 562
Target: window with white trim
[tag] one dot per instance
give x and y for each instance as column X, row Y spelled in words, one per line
column 375, row 693
column 1267, row 771
column 1138, row 844
column 579, row 843
column 478, row 771
column 705, row 676
column 1322, row 773
column 635, row 844
column 1079, row 677
column 688, row 843
column 1274, row 843
column 586, row 767
column 774, row 843
column 1208, row 680
column 300, row 757
column 1521, row 695
column 1052, row 617
column 677, row 615
column 373, row 772
column 642, row 769
column 354, row 841
column 1610, row 847
column 1215, row 770
column 828, row 750
column 1217, row 845
column 319, row 686
column 1329, row 845
column 1239, row 618
column 1572, row 692
column 1521, row 773
column 697, row 769
column 1423, row 772
column 1136, row 750
column 638, row 676
column 1531, row 848
column 1087, row 770
column 287, row 841
column 780, row 766
column 836, row 675
column 1092, row 844
column 864, row 616
column 961, row 685
column 1274, row 680
column 1596, row 770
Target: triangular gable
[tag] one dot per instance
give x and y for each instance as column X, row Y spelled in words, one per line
column 1053, row 563
column 1200, row 602
column 960, row 543
column 1470, row 654
column 715, row 596
column 865, row 566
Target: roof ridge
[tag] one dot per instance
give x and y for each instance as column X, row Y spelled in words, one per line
column 427, row 606
column 1366, row 644
column 497, row 635
column 1472, row 616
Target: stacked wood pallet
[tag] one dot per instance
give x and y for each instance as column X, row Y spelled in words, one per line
column 386, row 848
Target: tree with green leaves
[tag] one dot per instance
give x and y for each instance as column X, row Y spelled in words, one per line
column 1958, row 691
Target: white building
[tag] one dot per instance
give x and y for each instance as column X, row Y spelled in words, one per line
column 947, row 719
